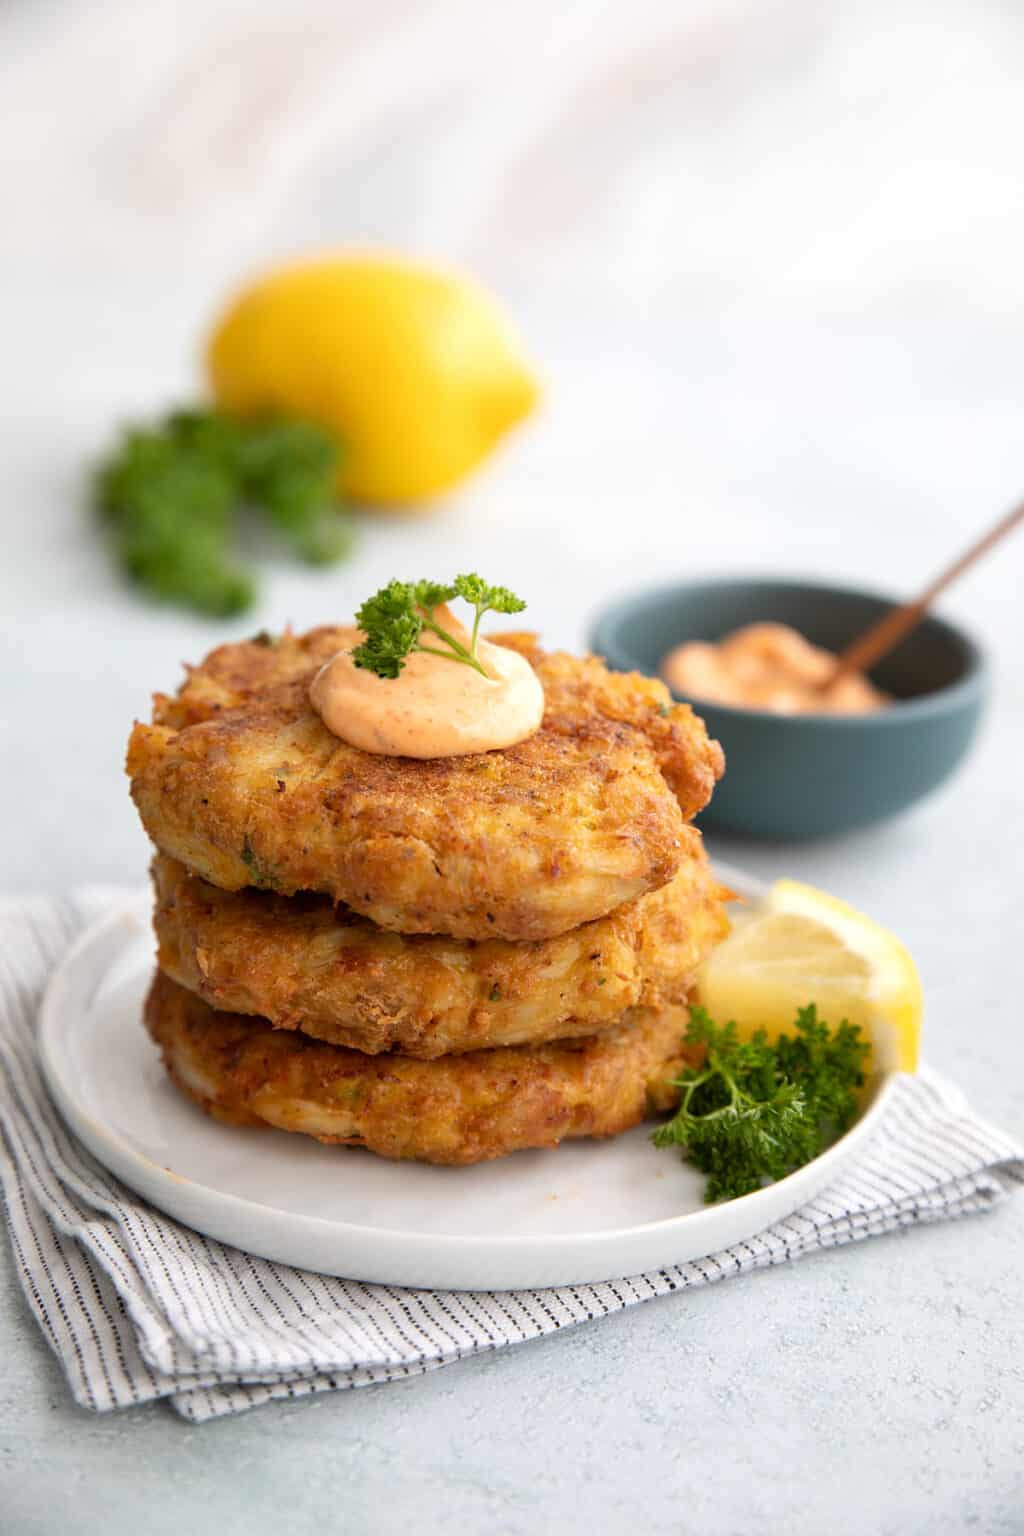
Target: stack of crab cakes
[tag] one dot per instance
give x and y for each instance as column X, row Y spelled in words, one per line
column 444, row 959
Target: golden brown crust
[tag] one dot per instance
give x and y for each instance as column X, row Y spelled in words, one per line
column 457, row 1110
column 304, row 964
column 240, row 780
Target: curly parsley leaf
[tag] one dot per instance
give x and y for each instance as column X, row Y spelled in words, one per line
column 487, row 598
column 431, row 594
column 170, row 495
column 398, row 617
column 392, row 628
column 753, row 1112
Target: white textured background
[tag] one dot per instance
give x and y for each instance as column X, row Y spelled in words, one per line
column 770, row 259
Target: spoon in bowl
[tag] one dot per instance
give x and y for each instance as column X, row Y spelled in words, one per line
column 884, row 635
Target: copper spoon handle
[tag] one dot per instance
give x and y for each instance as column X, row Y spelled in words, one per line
column 876, row 642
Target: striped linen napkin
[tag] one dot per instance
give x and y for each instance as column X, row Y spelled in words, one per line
column 137, row 1307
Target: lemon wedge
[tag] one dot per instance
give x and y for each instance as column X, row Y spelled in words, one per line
column 801, row 946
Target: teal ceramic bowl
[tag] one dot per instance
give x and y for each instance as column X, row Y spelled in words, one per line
column 808, row 776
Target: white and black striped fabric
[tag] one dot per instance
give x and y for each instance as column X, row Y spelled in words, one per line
column 137, row 1307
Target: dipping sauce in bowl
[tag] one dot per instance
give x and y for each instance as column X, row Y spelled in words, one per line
column 772, row 667
column 799, row 773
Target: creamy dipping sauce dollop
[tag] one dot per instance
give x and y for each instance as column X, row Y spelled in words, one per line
column 436, row 707
column 771, row 667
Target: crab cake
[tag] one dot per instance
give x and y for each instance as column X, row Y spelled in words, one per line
column 304, row 964
column 239, row 779
column 459, row 1109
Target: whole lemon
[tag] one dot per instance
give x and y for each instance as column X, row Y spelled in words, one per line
column 416, row 371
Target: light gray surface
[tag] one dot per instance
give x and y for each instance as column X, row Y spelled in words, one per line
column 770, row 257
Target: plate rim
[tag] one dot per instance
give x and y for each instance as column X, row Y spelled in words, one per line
column 99, row 946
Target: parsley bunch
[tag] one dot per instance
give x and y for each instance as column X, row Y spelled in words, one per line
column 170, row 494
column 753, row 1112
column 396, row 619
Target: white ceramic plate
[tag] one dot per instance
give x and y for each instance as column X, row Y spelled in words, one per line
column 586, row 1211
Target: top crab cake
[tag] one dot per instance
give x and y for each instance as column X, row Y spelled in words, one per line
column 239, row 778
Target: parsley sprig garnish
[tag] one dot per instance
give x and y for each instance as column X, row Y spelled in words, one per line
column 754, row 1112
column 401, row 616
